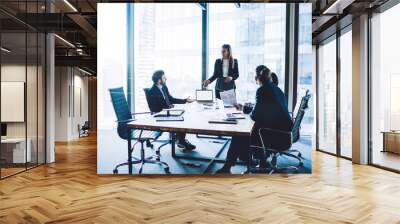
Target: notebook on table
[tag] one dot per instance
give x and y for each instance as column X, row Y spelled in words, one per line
column 170, row 118
column 170, row 113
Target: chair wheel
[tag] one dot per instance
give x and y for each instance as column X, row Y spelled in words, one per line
column 166, row 169
column 115, row 171
column 149, row 145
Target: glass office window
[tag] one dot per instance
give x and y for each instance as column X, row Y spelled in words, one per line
column 385, row 87
column 346, row 94
column 22, row 94
column 327, row 96
column 41, row 87
column 305, row 70
column 256, row 33
column 112, row 59
column 167, row 37
column 15, row 149
column 32, row 95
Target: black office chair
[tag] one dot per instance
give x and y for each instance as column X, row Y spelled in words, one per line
column 283, row 140
column 124, row 116
column 165, row 142
column 83, row 130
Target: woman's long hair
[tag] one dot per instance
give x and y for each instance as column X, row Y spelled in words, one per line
column 263, row 74
column 229, row 49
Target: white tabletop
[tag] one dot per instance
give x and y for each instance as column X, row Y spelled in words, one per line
column 196, row 121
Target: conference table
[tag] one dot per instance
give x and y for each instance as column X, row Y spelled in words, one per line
column 196, row 121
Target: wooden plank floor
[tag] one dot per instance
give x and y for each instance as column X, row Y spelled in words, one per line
column 70, row 191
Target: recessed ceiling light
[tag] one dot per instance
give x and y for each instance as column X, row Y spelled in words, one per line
column 5, row 50
column 70, row 5
column 64, row 40
column 84, row 71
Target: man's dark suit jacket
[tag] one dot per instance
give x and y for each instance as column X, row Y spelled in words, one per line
column 232, row 72
column 156, row 99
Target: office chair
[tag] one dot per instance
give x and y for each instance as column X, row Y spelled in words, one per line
column 283, row 140
column 84, row 129
column 165, row 142
column 124, row 116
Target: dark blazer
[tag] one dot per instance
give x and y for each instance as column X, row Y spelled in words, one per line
column 218, row 74
column 156, row 100
column 270, row 110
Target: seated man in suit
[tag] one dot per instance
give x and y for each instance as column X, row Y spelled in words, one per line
column 160, row 98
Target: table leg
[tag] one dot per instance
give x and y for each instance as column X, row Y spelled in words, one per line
column 130, row 155
column 384, row 143
column 173, row 152
column 213, row 160
column 248, row 164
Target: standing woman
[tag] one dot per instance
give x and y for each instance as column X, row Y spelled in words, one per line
column 226, row 71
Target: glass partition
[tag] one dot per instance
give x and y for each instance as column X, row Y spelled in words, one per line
column 327, row 96
column 32, row 97
column 346, row 94
column 41, row 98
column 385, row 89
column 15, row 149
column 22, row 88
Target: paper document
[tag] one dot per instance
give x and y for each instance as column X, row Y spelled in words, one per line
column 228, row 97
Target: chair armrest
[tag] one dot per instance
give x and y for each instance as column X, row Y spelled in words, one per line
column 139, row 113
column 256, row 147
column 275, row 131
column 125, row 121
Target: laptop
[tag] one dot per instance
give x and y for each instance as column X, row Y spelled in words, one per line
column 204, row 96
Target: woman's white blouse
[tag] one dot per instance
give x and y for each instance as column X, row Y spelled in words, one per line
column 225, row 67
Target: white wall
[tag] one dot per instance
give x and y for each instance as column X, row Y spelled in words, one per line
column 71, row 102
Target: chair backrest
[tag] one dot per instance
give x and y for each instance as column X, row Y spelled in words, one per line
column 122, row 111
column 275, row 139
column 86, row 125
column 147, row 94
column 299, row 116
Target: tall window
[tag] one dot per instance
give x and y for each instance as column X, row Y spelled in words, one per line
column 112, row 59
column 346, row 94
column 167, row 37
column 385, row 85
column 305, row 60
column 327, row 96
column 256, row 33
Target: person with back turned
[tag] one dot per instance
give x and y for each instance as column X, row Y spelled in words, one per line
column 160, row 98
column 226, row 71
column 270, row 111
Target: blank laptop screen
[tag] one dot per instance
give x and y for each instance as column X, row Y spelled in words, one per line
column 204, row 95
